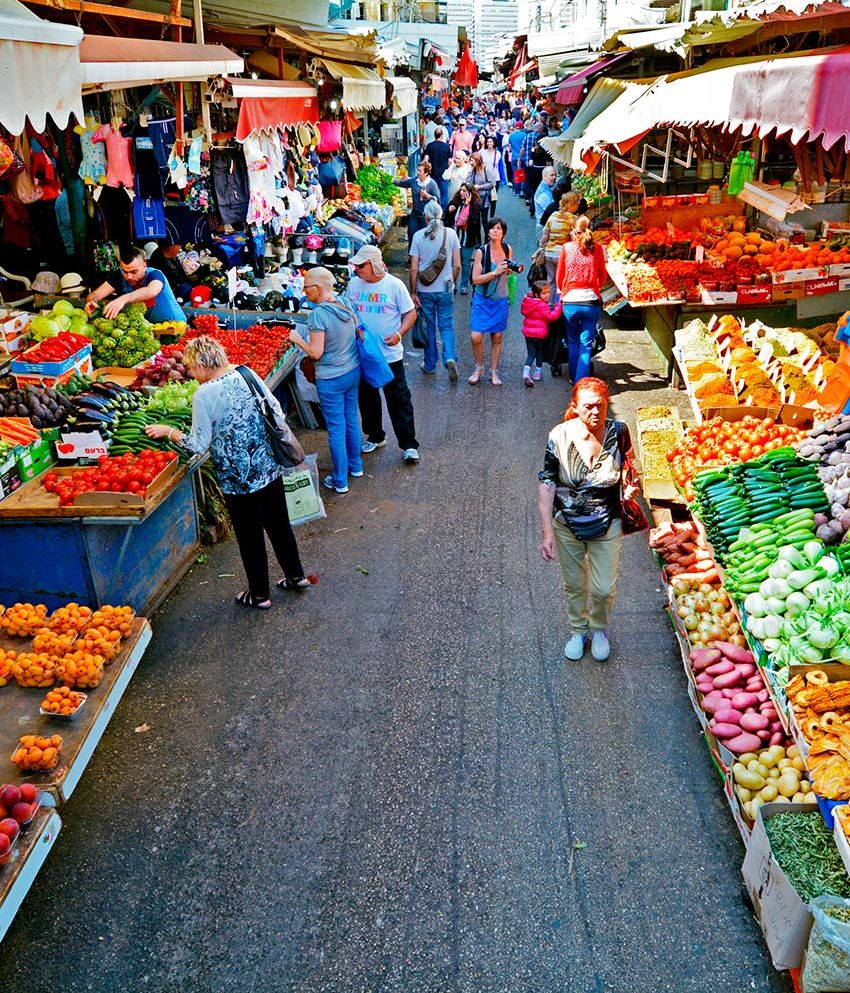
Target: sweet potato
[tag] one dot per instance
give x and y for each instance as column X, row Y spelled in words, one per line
column 725, row 731
column 734, row 653
column 720, row 668
column 745, row 742
column 754, row 722
column 728, row 679
column 728, row 715
column 702, row 658
column 744, row 701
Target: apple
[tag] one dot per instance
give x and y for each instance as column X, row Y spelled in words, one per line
column 22, row 813
column 29, row 794
column 10, row 827
column 9, row 796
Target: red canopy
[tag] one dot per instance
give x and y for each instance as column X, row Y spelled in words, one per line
column 572, row 88
column 266, row 104
column 466, row 73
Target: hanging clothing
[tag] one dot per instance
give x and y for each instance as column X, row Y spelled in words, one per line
column 230, row 182
column 43, row 171
column 264, row 160
column 93, row 166
column 119, row 169
column 148, row 177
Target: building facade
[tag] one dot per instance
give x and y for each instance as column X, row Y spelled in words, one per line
column 486, row 21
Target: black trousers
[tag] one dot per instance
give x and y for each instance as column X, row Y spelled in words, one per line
column 399, row 406
column 255, row 515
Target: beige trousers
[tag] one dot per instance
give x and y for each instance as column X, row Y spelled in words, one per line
column 598, row 560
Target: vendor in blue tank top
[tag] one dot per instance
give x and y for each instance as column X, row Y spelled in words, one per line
column 139, row 283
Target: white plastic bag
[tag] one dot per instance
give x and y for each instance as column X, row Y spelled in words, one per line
column 827, row 967
column 303, row 496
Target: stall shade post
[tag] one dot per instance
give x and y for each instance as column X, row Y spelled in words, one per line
column 198, row 15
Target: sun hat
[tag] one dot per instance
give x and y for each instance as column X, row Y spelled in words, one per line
column 370, row 253
column 46, row 282
column 71, row 283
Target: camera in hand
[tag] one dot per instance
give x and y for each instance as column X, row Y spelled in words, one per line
column 516, row 266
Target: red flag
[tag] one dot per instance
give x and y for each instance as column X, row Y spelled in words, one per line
column 466, row 73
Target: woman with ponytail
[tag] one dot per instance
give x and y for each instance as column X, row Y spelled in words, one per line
column 580, row 276
column 580, row 512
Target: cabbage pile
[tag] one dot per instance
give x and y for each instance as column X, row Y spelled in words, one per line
column 63, row 317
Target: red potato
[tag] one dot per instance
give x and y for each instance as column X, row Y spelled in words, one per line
column 727, row 680
column 754, row 722
column 734, row 653
column 776, row 727
column 713, row 702
column 744, row 701
column 702, row 658
column 746, row 670
column 727, row 715
column 763, row 695
column 720, row 668
column 745, row 742
column 724, row 731
column 765, row 734
column 729, row 692
column 777, row 738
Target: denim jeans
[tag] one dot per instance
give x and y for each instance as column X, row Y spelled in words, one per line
column 338, row 397
column 581, row 320
column 466, row 254
column 438, row 310
column 444, row 193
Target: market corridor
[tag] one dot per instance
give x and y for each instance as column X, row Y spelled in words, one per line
column 395, row 782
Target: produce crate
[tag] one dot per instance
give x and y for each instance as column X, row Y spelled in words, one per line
column 835, row 672
column 10, row 476
column 742, row 823
column 842, row 817
column 115, row 374
column 35, row 459
column 784, row 918
column 76, row 361
column 13, row 327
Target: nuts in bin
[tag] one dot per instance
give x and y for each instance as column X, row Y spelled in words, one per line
column 71, row 617
column 80, row 669
column 6, row 660
column 35, row 753
column 62, row 701
column 22, row 620
column 34, row 669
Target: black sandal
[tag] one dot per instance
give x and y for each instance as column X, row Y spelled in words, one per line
column 246, row 599
column 298, row 585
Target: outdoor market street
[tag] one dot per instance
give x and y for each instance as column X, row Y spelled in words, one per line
column 395, row 782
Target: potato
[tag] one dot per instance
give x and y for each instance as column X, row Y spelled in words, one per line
column 805, row 787
column 799, row 798
column 769, row 759
column 743, row 793
column 758, row 768
column 798, row 763
column 747, row 757
column 752, row 780
column 755, row 803
column 773, row 773
column 782, row 799
column 784, row 764
column 793, row 752
column 769, row 792
column 788, row 785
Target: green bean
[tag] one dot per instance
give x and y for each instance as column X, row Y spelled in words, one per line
column 805, row 850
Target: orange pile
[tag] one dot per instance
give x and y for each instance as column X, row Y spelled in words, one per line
column 80, row 669
column 52, row 642
column 62, row 701
column 71, row 617
column 34, row 669
column 114, row 618
column 22, row 620
column 37, row 753
column 100, row 641
column 6, row 660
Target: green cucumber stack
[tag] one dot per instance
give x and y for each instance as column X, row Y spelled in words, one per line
column 129, row 433
column 749, row 558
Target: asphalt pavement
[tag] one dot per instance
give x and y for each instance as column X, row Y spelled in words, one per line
column 395, row 782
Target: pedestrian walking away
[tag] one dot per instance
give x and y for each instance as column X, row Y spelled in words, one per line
column 434, row 270
column 226, row 421
column 535, row 328
column 386, row 309
column 438, row 154
column 423, row 188
column 332, row 345
column 580, row 507
column 580, row 277
column 490, row 302
column 464, row 215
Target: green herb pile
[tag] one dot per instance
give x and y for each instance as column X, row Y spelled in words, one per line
column 803, row 846
column 376, row 185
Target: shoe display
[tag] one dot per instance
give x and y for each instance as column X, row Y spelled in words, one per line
column 574, row 648
column 372, row 446
column 410, row 455
column 600, row 648
column 328, row 484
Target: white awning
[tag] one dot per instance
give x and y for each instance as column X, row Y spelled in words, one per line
column 362, row 88
column 39, row 69
column 405, row 95
column 270, row 88
column 117, row 63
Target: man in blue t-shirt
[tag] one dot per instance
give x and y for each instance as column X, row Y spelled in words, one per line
column 516, row 139
column 139, row 283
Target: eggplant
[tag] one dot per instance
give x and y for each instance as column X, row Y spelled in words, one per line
column 107, row 390
column 100, row 416
column 92, row 401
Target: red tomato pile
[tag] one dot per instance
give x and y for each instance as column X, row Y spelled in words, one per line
column 57, row 349
column 259, row 346
column 719, row 442
column 128, row 473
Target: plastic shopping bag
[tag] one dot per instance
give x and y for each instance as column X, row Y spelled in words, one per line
column 301, row 485
column 827, row 967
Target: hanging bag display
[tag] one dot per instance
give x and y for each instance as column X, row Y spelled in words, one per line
column 285, row 446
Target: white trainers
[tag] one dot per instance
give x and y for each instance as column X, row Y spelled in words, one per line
column 538, row 375
column 372, row 446
column 574, row 648
column 328, row 483
column 600, row 647
column 356, row 475
column 410, row 455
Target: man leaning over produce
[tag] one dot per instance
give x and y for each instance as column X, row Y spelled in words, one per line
column 139, row 283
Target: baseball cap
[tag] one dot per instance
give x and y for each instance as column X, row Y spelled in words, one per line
column 369, row 253
column 461, row 120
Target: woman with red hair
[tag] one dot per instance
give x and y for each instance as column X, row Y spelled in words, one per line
column 580, row 512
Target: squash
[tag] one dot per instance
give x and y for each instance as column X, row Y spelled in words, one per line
column 739, row 224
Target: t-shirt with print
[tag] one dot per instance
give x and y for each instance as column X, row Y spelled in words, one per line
column 163, row 307
column 380, row 307
column 427, row 249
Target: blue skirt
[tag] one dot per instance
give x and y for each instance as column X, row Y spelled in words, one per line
column 489, row 315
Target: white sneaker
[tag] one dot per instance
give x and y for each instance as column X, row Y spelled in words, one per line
column 600, row 647
column 356, row 475
column 410, row 455
column 574, row 648
column 538, row 375
column 328, row 483
column 372, row 446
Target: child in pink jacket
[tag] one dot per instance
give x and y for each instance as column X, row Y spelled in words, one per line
column 535, row 327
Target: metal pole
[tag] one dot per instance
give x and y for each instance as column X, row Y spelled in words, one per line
column 199, row 39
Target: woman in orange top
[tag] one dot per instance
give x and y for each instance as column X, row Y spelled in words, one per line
column 580, row 277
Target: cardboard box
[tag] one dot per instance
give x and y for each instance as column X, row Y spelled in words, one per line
column 10, row 476
column 787, row 291
column 821, row 287
column 842, row 817
column 799, row 275
column 784, row 918
column 840, row 269
column 77, row 445
column 843, row 284
column 719, row 297
column 755, row 294
column 76, row 361
column 786, row 414
column 13, row 327
column 34, row 459
column 738, row 816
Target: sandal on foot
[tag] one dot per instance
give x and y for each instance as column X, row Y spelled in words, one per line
column 494, row 378
column 475, row 378
column 298, row 585
column 246, row 599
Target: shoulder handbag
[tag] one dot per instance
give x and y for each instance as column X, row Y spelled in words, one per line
column 632, row 517
column 599, row 342
column 285, row 446
column 374, row 367
column 462, row 219
column 430, row 274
